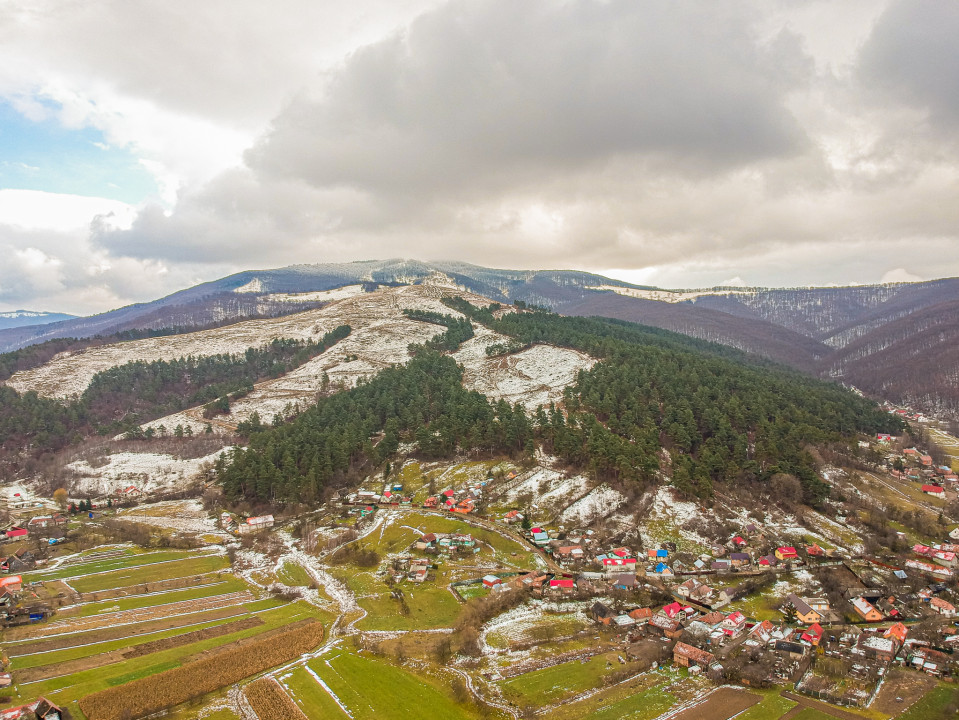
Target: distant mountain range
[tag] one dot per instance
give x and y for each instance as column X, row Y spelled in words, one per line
column 898, row 341
column 25, row 318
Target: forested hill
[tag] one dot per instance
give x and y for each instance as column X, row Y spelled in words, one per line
column 722, row 417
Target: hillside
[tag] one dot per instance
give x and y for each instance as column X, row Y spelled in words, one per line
column 807, row 328
column 22, row 318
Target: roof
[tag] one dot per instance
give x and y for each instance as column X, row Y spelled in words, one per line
column 862, row 605
column 641, row 613
column 931, row 489
column 786, row 550
column 700, row 657
column 942, row 604
column 672, row 609
column 802, row 607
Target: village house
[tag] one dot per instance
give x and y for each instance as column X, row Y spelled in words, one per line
column 626, row 581
column 687, row 655
column 569, row 554
column 16, row 532
column 877, row 647
column 614, row 566
column 641, row 615
column 812, row 635
column 490, row 581
column 768, row 561
column 938, row 571
column 933, row 490
column 256, row 524
column 426, row 542
column 602, row 613
column 562, row 586
column 806, row 614
column 762, row 632
column 787, row 552
column 866, row 610
column 46, row 521
column 664, row 627
column 942, row 607
column 539, row 536
column 739, row 559
column 21, row 560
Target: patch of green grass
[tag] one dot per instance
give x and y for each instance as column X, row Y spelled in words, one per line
column 375, row 690
column 313, row 700
column 142, row 672
column 183, row 566
column 551, row 684
column 294, row 575
column 771, row 707
column 932, row 705
column 213, row 586
column 813, row 714
column 99, row 566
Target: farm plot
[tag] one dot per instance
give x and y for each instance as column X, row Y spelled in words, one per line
column 146, row 695
column 144, row 657
column 722, row 704
column 343, row 684
column 549, row 685
column 127, row 617
column 81, row 567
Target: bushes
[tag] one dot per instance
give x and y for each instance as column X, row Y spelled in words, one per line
column 270, row 701
column 224, row 667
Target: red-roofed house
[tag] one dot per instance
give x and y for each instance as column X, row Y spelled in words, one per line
column 813, row 634
column 687, row 655
column 673, row 611
column 787, row 552
column 943, row 607
column 933, row 490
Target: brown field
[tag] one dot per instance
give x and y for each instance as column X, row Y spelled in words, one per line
column 143, row 588
column 193, row 679
column 114, row 656
column 118, row 633
column 722, row 704
column 910, row 686
column 270, row 701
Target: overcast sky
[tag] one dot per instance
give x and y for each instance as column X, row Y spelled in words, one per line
column 147, row 145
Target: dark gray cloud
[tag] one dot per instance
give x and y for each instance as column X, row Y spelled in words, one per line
column 486, row 96
column 911, row 58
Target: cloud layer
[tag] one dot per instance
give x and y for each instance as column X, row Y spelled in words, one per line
column 695, row 142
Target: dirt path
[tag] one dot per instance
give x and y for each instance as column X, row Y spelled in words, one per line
column 806, row 702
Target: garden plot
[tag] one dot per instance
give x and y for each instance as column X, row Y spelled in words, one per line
column 148, row 472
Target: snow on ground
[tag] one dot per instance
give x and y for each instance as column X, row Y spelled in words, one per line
column 339, row 293
column 668, row 296
column 149, row 472
column 69, row 374
column 181, row 515
column 597, row 503
column 532, row 377
column 668, row 511
column 557, row 487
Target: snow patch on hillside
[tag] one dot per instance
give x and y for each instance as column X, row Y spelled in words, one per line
column 597, row 503
column 148, row 472
column 340, row 293
column 535, row 376
column 254, row 286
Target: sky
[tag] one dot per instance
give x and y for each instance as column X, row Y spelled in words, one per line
column 149, row 145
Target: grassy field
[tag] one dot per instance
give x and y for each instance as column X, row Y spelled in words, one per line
column 771, row 707
column 182, row 566
column 370, row 688
column 932, row 705
column 294, row 575
column 84, row 568
column 551, row 684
